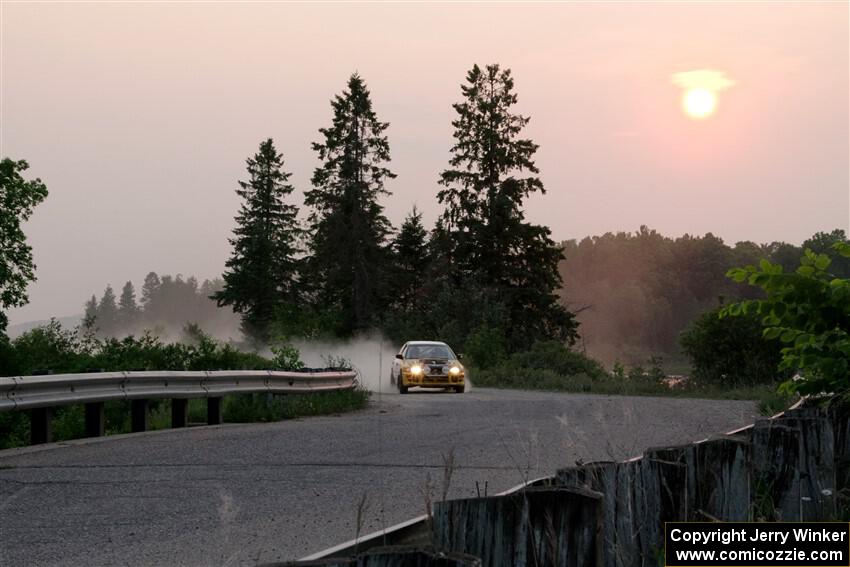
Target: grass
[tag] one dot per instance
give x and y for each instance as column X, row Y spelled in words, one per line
column 769, row 400
column 69, row 422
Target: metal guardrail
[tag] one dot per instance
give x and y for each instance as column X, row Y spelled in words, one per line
column 39, row 394
column 29, row 392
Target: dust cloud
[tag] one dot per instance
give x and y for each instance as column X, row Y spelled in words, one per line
column 371, row 355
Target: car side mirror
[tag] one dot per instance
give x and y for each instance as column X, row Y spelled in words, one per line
column 460, row 356
column 399, row 356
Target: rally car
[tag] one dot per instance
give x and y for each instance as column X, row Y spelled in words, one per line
column 429, row 364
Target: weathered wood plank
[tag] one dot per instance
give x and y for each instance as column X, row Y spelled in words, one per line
column 537, row 526
column 775, row 476
column 665, row 486
column 839, row 414
column 722, row 480
column 817, row 462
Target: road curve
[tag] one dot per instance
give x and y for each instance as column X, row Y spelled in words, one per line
column 243, row 494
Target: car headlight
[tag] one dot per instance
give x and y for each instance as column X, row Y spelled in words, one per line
column 416, row 370
column 454, row 370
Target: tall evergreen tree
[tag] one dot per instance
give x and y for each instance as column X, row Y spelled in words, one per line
column 490, row 245
column 128, row 311
column 90, row 314
column 350, row 262
column 412, row 257
column 149, row 288
column 107, row 312
column 261, row 274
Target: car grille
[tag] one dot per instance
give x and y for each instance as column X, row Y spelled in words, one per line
column 434, row 367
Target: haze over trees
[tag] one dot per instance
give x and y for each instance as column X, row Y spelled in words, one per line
column 167, row 304
column 637, row 292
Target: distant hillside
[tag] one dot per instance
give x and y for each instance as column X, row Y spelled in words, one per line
column 68, row 322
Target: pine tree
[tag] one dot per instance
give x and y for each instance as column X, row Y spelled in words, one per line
column 350, row 263
column 490, row 245
column 107, row 312
column 412, row 258
column 149, row 290
column 261, row 274
column 90, row 314
column 128, row 311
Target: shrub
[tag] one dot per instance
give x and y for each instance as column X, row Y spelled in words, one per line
column 731, row 351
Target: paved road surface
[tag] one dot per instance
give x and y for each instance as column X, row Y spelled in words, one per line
column 243, row 494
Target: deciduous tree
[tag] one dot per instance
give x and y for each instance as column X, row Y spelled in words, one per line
column 18, row 197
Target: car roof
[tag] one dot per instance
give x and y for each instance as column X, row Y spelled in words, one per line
column 409, row 343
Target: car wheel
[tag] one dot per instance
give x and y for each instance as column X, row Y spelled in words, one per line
column 402, row 389
column 458, row 389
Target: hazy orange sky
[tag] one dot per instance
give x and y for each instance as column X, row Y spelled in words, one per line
column 139, row 116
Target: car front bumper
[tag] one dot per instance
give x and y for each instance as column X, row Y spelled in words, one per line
column 432, row 381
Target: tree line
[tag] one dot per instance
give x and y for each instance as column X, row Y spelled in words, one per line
column 482, row 273
column 165, row 305
column 636, row 293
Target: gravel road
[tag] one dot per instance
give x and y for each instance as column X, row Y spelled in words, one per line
column 243, row 494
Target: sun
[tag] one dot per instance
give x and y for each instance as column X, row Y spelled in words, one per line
column 699, row 103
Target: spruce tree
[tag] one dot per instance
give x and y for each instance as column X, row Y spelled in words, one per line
column 261, row 274
column 350, row 263
column 128, row 311
column 107, row 313
column 490, row 246
column 90, row 314
column 412, row 258
column 149, row 289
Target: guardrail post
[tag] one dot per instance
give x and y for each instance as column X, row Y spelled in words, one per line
column 179, row 412
column 95, row 420
column 40, row 426
column 138, row 415
column 214, row 416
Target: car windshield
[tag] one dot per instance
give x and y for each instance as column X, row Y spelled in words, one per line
column 429, row 351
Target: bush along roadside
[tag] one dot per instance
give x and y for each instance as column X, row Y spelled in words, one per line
column 553, row 367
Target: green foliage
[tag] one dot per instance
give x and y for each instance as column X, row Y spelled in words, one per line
column 486, row 347
column 809, row 312
column 18, row 197
column 731, row 351
column 411, row 260
column 14, row 429
column 286, row 357
column 547, row 365
column 54, row 349
column 350, row 265
column 483, row 237
column 261, row 273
